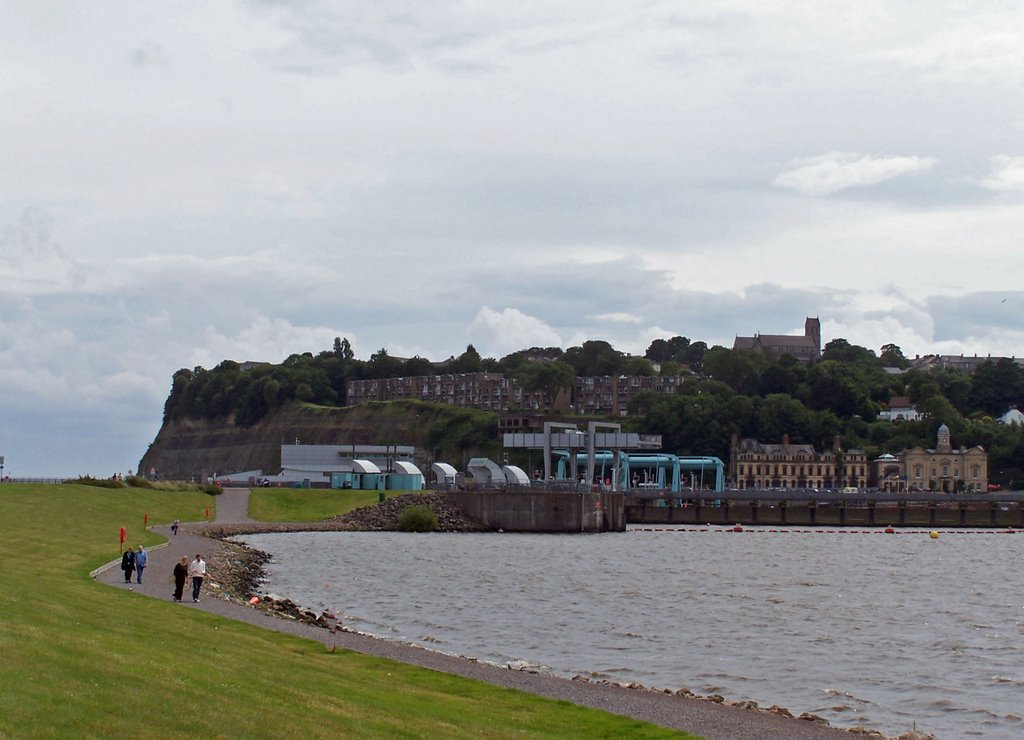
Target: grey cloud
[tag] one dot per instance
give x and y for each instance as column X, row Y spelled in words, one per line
column 978, row 314
column 32, row 235
column 459, row 66
column 451, row 40
column 148, row 55
column 527, row 201
column 332, row 36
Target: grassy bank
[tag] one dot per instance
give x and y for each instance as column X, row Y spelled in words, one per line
column 308, row 504
column 83, row 659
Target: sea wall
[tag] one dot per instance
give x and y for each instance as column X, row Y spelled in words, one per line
column 528, row 510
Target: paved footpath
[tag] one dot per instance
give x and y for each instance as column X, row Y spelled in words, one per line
column 713, row 721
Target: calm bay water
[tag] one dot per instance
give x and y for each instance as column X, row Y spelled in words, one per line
column 861, row 628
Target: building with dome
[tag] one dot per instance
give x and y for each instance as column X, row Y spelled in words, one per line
column 887, row 473
column 942, row 469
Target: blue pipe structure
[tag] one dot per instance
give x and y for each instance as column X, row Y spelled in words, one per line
column 667, row 469
column 706, row 464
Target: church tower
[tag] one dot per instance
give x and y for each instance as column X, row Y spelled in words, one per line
column 812, row 329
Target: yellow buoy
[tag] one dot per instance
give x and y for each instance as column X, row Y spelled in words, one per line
column 933, row 534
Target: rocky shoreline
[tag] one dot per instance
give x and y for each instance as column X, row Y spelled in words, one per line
column 383, row 517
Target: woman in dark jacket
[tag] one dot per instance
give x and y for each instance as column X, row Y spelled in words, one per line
column 180, row 574
column 128, row 564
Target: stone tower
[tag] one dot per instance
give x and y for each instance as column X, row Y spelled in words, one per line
column 812, row 329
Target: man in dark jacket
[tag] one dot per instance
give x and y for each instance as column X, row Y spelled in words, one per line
column 128, row 564
column 180, row 574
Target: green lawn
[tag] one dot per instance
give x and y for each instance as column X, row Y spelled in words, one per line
column 78, row 658
column 308, row 504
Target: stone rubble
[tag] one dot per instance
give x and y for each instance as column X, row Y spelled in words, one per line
column 384, row 516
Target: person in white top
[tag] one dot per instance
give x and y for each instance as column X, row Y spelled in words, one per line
column 197, row 569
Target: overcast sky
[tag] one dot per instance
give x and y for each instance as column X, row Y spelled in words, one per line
column 184, row 184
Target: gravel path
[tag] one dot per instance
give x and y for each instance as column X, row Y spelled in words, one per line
column 711, row 720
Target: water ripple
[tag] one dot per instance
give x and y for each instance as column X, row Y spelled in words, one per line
column 884, row 632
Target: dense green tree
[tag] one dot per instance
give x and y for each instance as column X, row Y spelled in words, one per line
column 594, row 358
column 190, row 398
column 779, row 414
column 955, row 385
column 216, row 399
column 637, row 366
column 996, row 386
column 940, row 411
column 337, row 372
column 416, row 367
column 549, row 376
column 892, row 356
column 739, row 369
column 664, row 350
column 383, row 365
column 921, row 385
column 174, row 405
column 835, row 387
column 784, row 375
column 825, row 427
column 694, row 355
column 841, row 350
column 670, row 369
column 659, row 351
column 468, row 362
column 510, row 362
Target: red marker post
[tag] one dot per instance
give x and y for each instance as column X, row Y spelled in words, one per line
column 207, row 512
column 123, row 533
column 145, row 519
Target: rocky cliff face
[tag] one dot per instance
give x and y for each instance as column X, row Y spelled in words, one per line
column 186, row 448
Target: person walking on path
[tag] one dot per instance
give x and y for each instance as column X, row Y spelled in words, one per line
column 141, row 559
column 174, row 527
column 128, row 564
column 180, row 574
column 197, row 569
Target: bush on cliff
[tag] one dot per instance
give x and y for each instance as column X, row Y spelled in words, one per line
column 417, row 519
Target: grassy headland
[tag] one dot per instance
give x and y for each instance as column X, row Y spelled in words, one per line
column 83, row 659
column 308, row 504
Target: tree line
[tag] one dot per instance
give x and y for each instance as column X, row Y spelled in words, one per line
column 727, row 392
column 249, row 395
